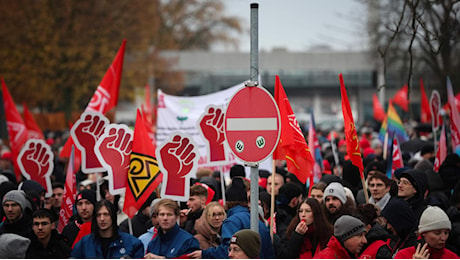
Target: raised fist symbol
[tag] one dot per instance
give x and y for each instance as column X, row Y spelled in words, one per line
column 212, row 129
column 36, row 162
column 114, row 149
column 177, row 158
column 86, row 132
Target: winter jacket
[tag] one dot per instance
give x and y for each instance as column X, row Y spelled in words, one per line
column 334, row 250
column 417, row 203
column 72, row 228
column 284, row 215
column 141, row 223
column 443, row 253
column 206, row 235
column 238, row 218
column 174, row 243
column 57, row 248
column 22, row 227
column 376, row 247
column 124, row 245
column 298, row 246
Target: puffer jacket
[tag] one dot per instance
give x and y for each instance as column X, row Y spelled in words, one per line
column 125, row 245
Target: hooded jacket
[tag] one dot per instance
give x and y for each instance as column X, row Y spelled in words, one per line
column 419, row 180
column 206, row 235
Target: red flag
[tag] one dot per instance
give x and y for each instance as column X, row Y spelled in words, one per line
column 425, row 116
column 454, row 119
column 70, row 191
column 17, row 130
column 379, row 112
column 292, row 146
column 29, row 120
column 397, row 156
column 350, row 130
column 106, row 95
column 144, row 174
column 400, row 98
column 441, row 153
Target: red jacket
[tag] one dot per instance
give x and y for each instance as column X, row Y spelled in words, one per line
column 444, row 253
column 333, row 250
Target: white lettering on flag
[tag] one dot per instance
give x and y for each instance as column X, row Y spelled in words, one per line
column 252, row 124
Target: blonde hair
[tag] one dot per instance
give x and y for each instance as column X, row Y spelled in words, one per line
column 212, row 204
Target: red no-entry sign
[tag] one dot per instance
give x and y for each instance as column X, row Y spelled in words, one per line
column 252, row 124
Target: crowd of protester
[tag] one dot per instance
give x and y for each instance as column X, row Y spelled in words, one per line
column 413, row 214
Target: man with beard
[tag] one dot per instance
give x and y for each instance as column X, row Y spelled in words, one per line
column 18, row 214
column 84, row 202
column 336, row 202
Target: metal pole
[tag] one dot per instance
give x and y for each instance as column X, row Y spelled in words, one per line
column 254, row 70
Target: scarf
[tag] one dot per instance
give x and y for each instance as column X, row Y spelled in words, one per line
column 382, row 202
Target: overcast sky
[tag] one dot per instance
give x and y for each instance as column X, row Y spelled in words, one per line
column 301, row 25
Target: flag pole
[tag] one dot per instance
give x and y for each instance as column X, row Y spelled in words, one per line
column 222, row 183
column 272, row 199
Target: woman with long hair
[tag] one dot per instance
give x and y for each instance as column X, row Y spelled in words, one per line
column 208, row 226
column 308, row 232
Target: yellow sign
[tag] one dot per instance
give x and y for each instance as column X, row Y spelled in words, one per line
column 142, row 171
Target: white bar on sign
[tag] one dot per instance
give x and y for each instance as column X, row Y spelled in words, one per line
column 252, row 124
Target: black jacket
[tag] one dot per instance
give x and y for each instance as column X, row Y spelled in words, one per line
column 71, row 230
column 377, row 232
column 57, row 248
column 189, row 224
column 22, row 227
column 141, row 223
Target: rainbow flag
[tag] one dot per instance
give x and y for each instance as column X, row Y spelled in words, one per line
column 393, row 125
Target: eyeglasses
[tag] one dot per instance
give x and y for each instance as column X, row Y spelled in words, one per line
column 220, row 214
column 44, row 223
column 234, row 249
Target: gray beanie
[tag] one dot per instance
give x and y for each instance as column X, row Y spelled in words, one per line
column 19, row 197
column 335, row 189
column 433, row 218
column 13, row 246
column 152, row 205
column 347, row 227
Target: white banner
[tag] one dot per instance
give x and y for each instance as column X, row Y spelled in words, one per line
column 182, row 114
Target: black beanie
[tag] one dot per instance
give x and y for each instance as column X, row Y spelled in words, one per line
column 237, row 170
column 237, row 191
column 399, row 214
column 86, row 194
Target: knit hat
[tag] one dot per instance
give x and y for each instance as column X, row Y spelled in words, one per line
column 287, row 192
column 237, row 170
column 19, row 197
column 433, row 218
column 249, row 241
column 152, row 206
column 347, row 227
column 86, row 194
column 13, row 246
column 335, row 189
column 237, row 192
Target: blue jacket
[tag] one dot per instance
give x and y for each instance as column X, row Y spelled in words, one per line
column 174, row 243
column 238, row 219
column 90, row 247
